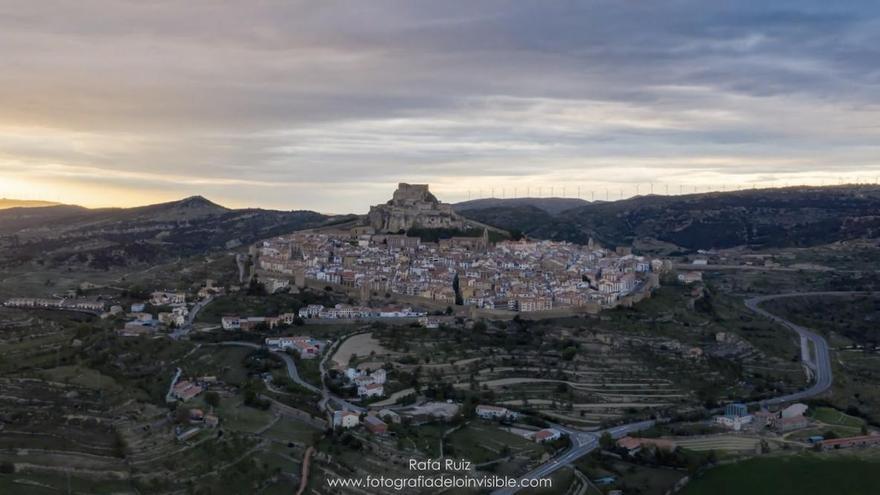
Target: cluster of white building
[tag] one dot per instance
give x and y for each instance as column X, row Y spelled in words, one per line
column 349, row 312
column 139, row 322
column 369, row 384
column 737, row 416
column 515, row 275
column 72, row 304
column 250, row 323
column 167, row 298
column 306, row 347
column 495, row 413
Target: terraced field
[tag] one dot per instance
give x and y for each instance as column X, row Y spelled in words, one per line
column 719, row 442
column 84, row 409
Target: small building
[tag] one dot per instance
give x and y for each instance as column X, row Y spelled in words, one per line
column 185, row 390
column 230, row 322
column 690, row 277
column 163, row 298
column 375, row 425
column 546, row 435
column 495, row 412
column 371, row 390
column 305, row 347
column 784, row 425
column 735, row 423
column 850, row 442
column 137, row 328
column 346, row 419
column 630, row 444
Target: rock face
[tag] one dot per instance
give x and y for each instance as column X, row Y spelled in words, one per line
column 413, row 205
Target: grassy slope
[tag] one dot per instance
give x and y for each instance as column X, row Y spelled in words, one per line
column 796, row 475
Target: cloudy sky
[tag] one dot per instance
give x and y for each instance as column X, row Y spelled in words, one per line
column 327, row 105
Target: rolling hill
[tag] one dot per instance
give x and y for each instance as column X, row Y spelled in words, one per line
column 552, row 206
column 797, row 216
column 102, row 238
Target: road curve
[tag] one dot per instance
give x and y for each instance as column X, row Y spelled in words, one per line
column 819, row 365
column 294, row 375
column 818, row 361
column 288, row 361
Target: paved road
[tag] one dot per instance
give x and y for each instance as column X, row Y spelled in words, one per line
column 190, row 319
column 582, row 444
column 322, row 366
column 818, row 362
column 168, row 396
column 293, row 373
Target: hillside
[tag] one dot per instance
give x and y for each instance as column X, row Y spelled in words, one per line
column 553, row 206
column 68, row 235
column 23, row 203
column 798, row 216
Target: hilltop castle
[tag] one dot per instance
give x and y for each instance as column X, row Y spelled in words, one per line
column 413, row 206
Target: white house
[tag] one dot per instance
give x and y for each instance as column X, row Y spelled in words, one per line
column 346, row 419
column 311, row 311
column 690, row 277
column 230, row 322
column 734, row 423
column 162, row 298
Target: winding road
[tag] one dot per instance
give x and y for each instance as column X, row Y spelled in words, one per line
column 293, row 373
column 817, row 360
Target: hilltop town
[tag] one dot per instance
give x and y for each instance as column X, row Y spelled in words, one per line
column 521, row 275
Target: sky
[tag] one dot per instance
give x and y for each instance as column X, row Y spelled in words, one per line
column 327, row 105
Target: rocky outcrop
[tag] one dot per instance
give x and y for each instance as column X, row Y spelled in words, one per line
column 413, row 206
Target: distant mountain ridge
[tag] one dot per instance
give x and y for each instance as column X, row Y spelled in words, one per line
column 796, row 216
column 105, row 237
column 552, row 206
column 24, row 203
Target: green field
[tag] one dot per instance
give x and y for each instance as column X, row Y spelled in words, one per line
column 81, row 376
column 483, row 442
column 796, row 475
column 49, row 484
column 831, row 416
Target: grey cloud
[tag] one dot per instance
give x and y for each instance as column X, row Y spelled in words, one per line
column 348, row 93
